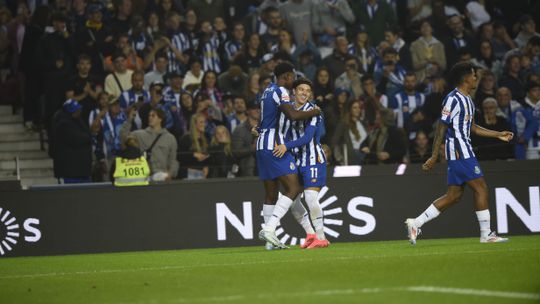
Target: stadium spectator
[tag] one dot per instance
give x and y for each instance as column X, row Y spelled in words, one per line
column 252, row 87
column 193, row 154
column 335, row 62
column 386, row 143
column 486, row 59
column 477, row 14
column 160, row 146
column 407, row 105
column 133, row 61
column 156, row 102
column 527, row 30
column 285, row 43
column 419, row 9
column 252, row 53
column 375, row 16
column 83, row 86
column 392, row 36
column 335, row 111
column 491, row 148
column 350, row 79
column 135, row 97
column 388, row 73
column 236, row 43
column 420, row 149
column 71, row 145
column 209, row 44
column 240, row 113
column 234, row 80
column 457, row 40
column 427, row 53
column 243, row 143
column 176, row 44
column 154, row 27
column 373, row 100
column 330, row 19
column 532, row 105
column 298, row 19
column 323, row 88
column 120, row 79
column 222, row 162
column 194, row 76
column 209, row 87
column 139, row 39
column 502, row 42
column 274, row 24
column 120, row 23
column 208, row 10
column 350, row 133
column 511, row 79
column 362, row 49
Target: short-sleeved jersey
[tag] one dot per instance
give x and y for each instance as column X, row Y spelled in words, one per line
column 311, row 153
column 458, row 113
column 274, row 125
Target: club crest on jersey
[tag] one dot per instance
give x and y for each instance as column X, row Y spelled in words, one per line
column 292, row 166
column 476, row 170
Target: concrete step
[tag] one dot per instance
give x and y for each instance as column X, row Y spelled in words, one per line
column 33, row 181
column 28, row 173
column 24, row 136
column 27, row 164
column 6, row 110
column 20, row 145
column 30, row 154
column 11, row 128
column 11, row 119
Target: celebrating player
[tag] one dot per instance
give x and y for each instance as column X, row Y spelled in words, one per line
column 311, row 162
column 276, row 115
column 455, row 126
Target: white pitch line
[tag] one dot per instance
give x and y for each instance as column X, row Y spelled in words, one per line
column 476, row 292
column 299, row 260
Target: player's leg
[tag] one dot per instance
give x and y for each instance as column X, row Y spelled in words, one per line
column 312, row 199
column 452, row 196
column 301, row 215
column 271, row 189
column 480, row 192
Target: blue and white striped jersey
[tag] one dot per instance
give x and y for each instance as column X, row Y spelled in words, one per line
column 129, row 97
column 310, row 153
column 274, row 125
column 458, row 114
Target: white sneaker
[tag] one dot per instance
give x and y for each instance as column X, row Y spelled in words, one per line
column 412, row 231
column 269, row 246
column 493, row 238
column 270, row 237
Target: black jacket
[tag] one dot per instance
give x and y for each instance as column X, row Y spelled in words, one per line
column 71, row 146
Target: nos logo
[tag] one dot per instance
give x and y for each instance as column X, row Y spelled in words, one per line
column 9, row 231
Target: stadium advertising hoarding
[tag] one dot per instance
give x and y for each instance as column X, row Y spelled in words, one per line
column 228, row 212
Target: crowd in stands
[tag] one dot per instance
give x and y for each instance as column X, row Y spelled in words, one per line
column 95, row 72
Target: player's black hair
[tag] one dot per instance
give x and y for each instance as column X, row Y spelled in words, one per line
column 282, row 68
column 302, row 80
column 459, row 71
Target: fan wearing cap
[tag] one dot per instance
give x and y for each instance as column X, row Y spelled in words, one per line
column 276, row 115
column 120, row 79
column 71, row 145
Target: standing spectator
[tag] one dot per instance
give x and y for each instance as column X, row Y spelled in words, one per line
column 501, row 42
column 236, row 43
column 209, row 48
column 392, row 36
column 194, row 76
column 407, row 106
column 365, row 53
column 208, row 10
column 386, row 144
column 350, row 79
column 160, row 146
column 427, row 53
column 84, row 87
column 477, row 14
column 177, row 44
column 510, row 77
column 194, row 150
column 120, row 23
column 186, row 110
column 375, row 16
column 336, row 61
column 156, row 102
column 285, row 43
column 135, row 97
column 297, row 15
column 133, row 61
column 221, row 157
column 154, row 28
column 373, row 101
column 491, row 148
column 329, row 20
column 275, row 24
column 72, row 145
column 209, row 87
column 161, row 63
column 388, row 73
column 349, row 135
column 240, row 113
column 532, row 104
column 486, row 59
column 120, row 79
column 457, row 40
column 139, row 39
column 253, row 53
column 323, row 88
column 527, row 30
column 243, row 143
column 420, row 150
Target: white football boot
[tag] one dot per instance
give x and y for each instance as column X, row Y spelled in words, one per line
column 412, row 231
column 493, row 238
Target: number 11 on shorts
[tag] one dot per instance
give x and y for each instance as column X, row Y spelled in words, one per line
column 314, row 172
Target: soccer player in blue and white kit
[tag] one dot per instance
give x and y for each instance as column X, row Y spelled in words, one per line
column 311, row 162
column 455, row 126
column 276, row 114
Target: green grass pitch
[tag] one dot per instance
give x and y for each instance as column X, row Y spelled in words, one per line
column 433, row 271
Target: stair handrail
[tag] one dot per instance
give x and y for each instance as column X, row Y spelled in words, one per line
column 18, row 168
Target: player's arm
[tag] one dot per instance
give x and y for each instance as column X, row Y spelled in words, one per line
column 483, row 132
column 309, row 133
column 437, row 141
column 294, row 114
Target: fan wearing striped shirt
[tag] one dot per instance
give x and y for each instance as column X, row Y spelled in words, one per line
column 304, row 142
column 455, row 126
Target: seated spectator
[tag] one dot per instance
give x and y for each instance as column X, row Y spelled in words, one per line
column 364, row 52
column 407, row 105
column 510, row 77
column 349, row 135
column 392, row 36
column 133, row 61
column 350, row 79
column 477, row 14
column 158, row 73
column 386, row 143
column 329, row 19
column 335, row 62
column 243, row 143
column 210, row 88
column 486, row 59
column 420, row 150
column 335, row 111
column 222, row 162
column 427, row 54
column 274, row 23
column 491, row 148
column 240, row 112
column 433, row 105
column 527, row 30
column 71, row 145
column 193, row 154
column 501, row 42
column 253, row 53
column 156, row 101
column 187, row 110
column 373, row 101
column 234, row 80
column 236, row 43
column 307, row 58
column 297, row 17
column 120, row 79
column 458, row 39
column 375, row 16
column 252, row 86
column 486, row 88
column 285, row 43
column 194, row 75
column 158, row 144
column 323, row 88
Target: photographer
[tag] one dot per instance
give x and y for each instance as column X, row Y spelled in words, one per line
column 135, row 97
